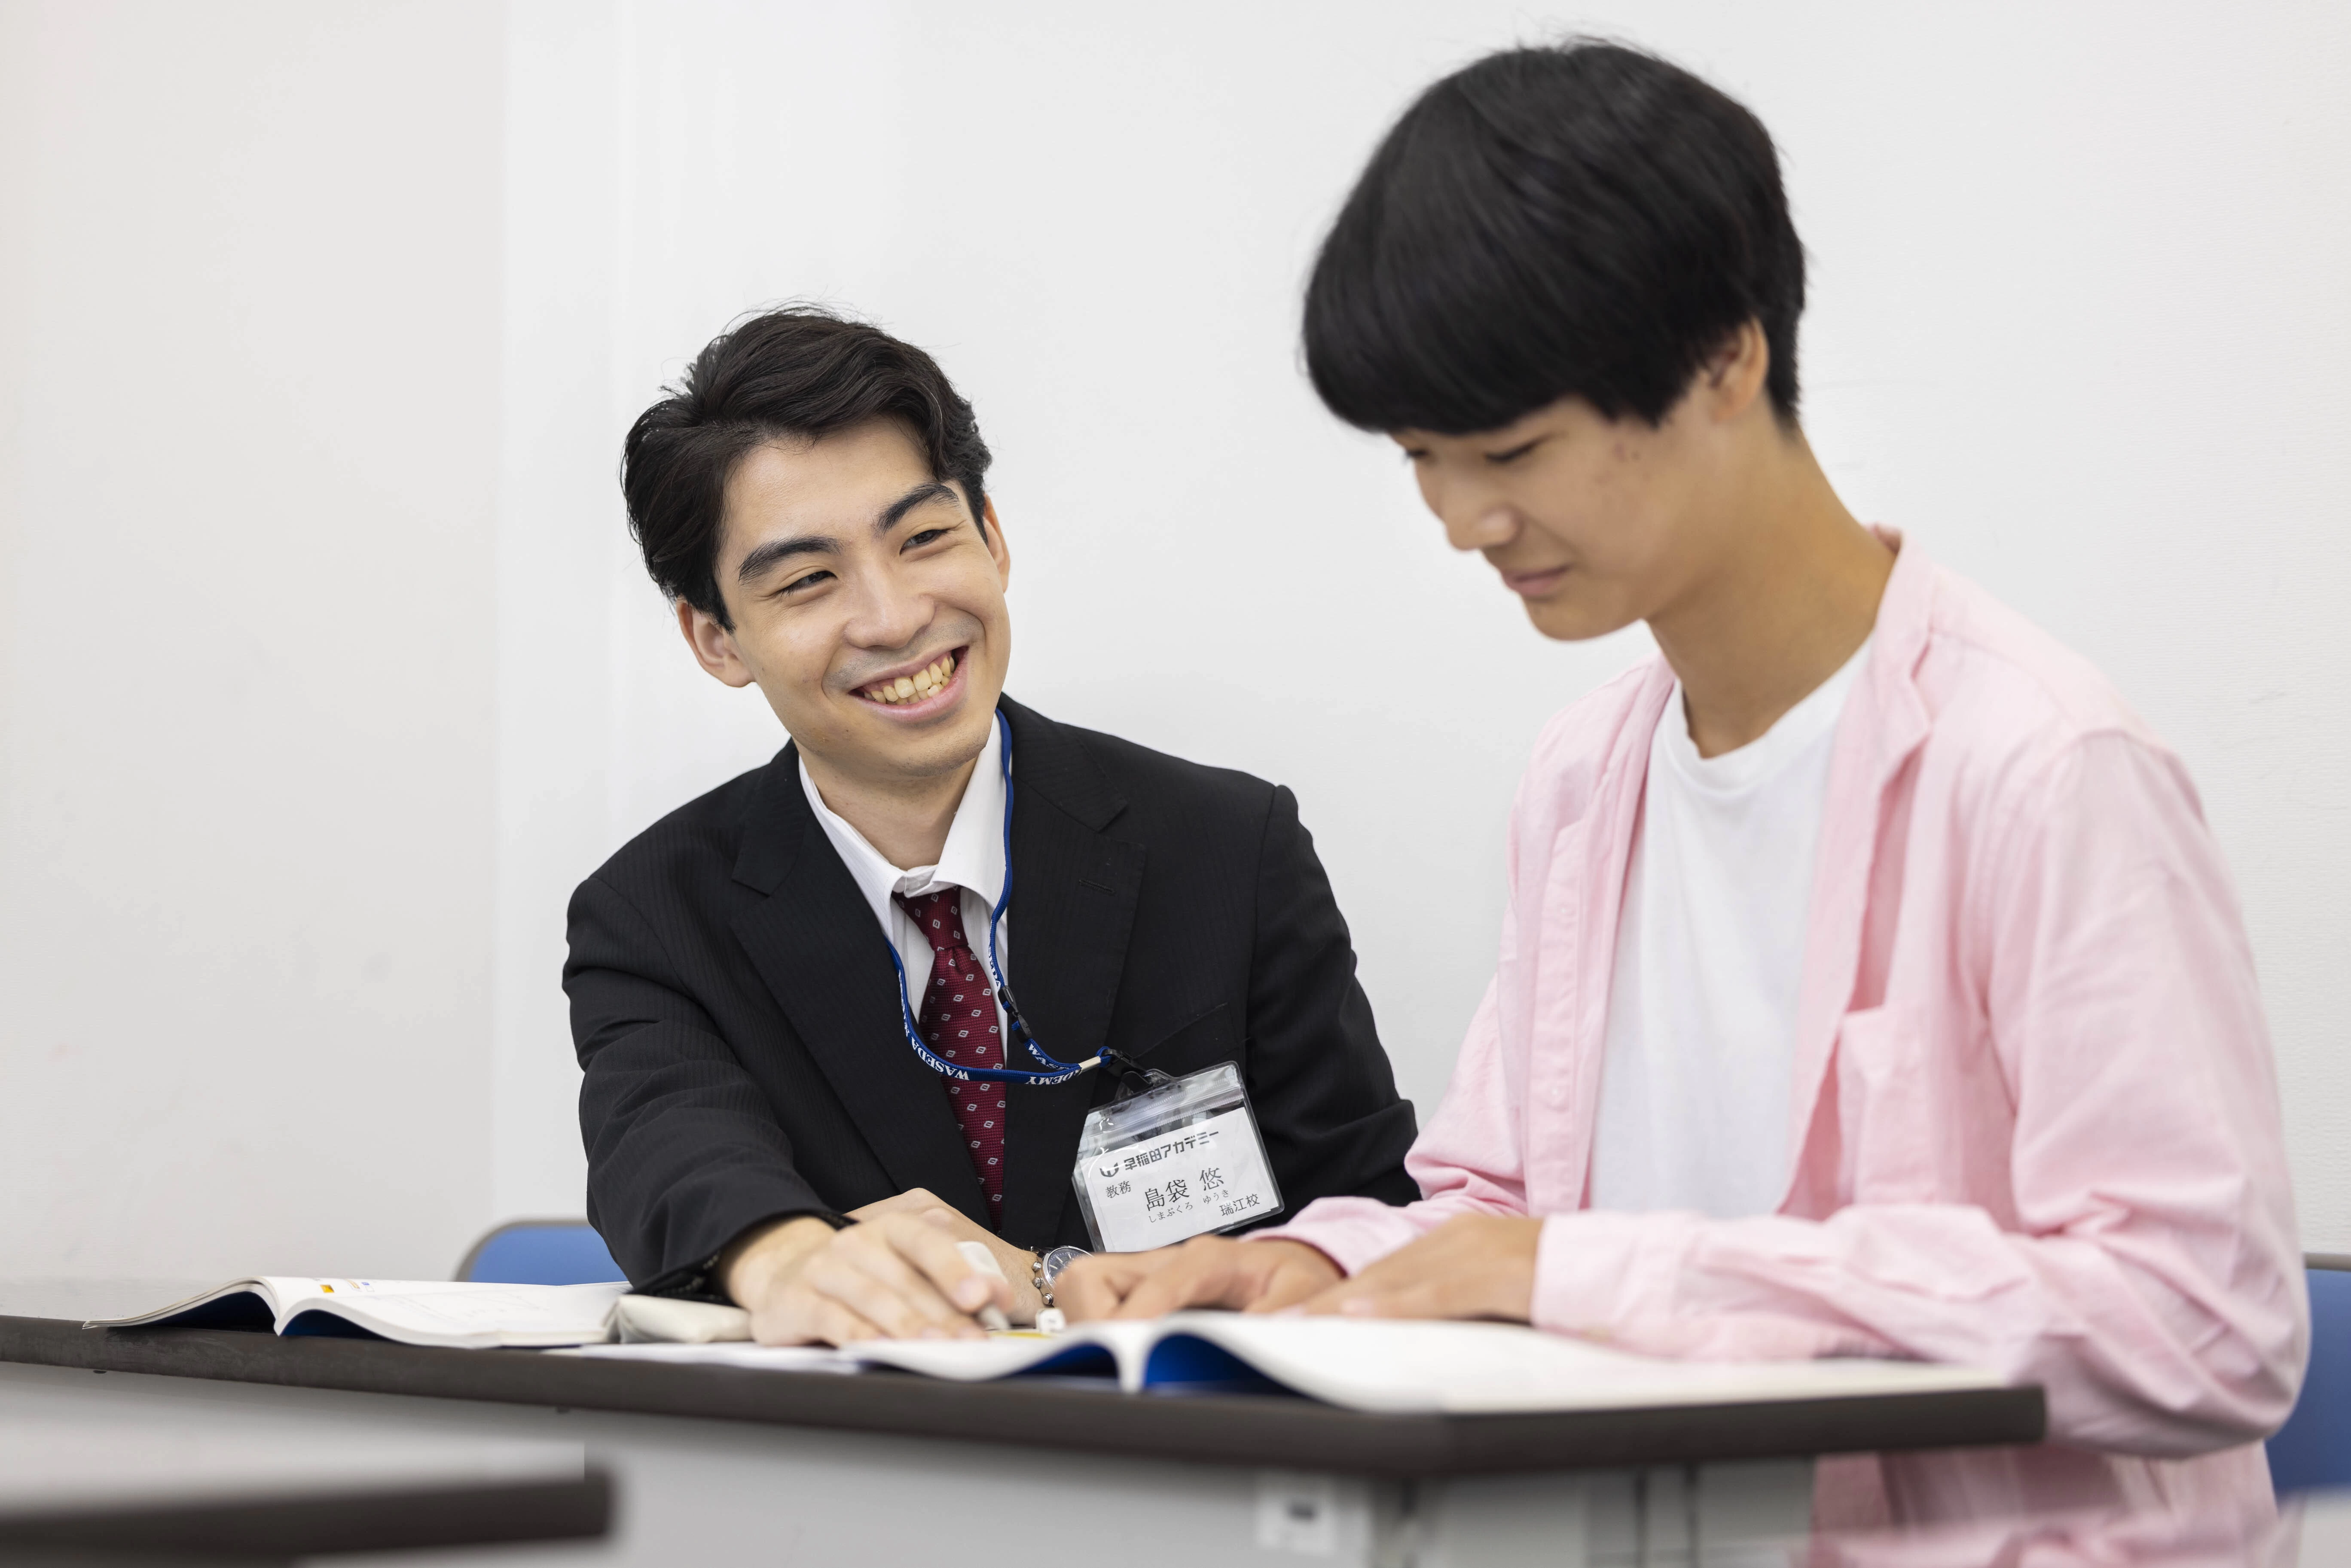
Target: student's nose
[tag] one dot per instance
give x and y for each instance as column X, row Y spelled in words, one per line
column 1479, row 523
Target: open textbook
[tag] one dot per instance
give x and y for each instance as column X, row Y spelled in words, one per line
column 414, row 1311
column 1454, row 1368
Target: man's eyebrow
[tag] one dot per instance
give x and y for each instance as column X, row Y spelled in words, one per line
column 921, row 494
column 764, row 557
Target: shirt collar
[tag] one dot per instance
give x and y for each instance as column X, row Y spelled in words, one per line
column 973, row 857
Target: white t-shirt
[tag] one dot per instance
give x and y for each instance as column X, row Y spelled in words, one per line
column 1695, row 1088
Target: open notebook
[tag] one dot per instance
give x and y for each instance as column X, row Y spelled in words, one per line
column 1457, row 1368
column 414, row 1312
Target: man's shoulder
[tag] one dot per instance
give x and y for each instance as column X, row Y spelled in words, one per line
column 700, row 841
column 1139, row 772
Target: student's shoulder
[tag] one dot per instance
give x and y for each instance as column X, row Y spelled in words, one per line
column 1577, row 746
column 696, row 845
column 2005, row 691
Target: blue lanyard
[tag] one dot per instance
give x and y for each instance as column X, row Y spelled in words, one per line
column 1057, row 1071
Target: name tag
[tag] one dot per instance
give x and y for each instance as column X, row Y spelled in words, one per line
column 1175, row 1162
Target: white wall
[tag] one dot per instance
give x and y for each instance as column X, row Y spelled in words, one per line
column 2077, row 303
column 249, row 448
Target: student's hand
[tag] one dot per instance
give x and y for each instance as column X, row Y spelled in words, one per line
column 897, row 1276
column 1476, row 1266
column 1016, row 1262
column 1205, row 1271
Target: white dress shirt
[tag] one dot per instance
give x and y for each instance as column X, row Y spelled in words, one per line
column 972, row 860
column 1698, row 1066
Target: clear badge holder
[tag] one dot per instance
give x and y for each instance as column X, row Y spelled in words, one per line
column 1180, row 1159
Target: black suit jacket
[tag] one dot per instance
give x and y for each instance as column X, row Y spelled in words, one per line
column 735, row 1008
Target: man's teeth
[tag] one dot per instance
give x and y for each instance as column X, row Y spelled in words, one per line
column 923, row 682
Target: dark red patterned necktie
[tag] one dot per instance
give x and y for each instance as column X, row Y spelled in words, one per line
column 958, row 1020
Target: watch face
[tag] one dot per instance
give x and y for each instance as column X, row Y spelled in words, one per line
column 1059, row 1258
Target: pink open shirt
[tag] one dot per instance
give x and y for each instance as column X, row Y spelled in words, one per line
column 2034, row 1111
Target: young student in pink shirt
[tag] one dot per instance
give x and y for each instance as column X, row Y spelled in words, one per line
column 1870, row 984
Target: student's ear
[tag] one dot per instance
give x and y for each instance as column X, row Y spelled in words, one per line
column 997, row 549
column 1734, row 373
column 713, row 644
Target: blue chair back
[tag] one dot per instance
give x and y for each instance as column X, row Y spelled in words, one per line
column 2314, row 1447
column 540, row 1252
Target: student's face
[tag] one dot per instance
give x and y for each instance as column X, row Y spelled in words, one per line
column 849, row 569
column 1594, row 523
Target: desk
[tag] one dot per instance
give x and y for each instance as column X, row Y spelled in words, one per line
column 883, row 1468
column 84, row 1480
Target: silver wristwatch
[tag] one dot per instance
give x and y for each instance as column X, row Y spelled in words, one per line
column 1046, row 1267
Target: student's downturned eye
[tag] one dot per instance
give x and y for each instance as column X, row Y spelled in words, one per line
column 1511, row 455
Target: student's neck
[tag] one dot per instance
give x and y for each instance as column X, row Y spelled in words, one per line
column 906, row 819
column 1779, row 611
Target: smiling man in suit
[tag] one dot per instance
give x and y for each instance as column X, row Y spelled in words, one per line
column 758, row 1122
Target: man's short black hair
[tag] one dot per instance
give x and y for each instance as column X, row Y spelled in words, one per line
column 798, row 371
column 1584, row 220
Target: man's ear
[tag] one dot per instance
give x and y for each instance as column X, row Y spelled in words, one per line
column 997, row 547
column 1734, row 373
column 713, row 644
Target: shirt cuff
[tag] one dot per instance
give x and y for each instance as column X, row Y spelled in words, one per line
column 1353, row 1232
column 1598, row 1272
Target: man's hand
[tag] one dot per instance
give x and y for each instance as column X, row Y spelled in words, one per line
column 1476, row 1266
column 1205, row 1271
column 1016, row 1262
column 896, row 1276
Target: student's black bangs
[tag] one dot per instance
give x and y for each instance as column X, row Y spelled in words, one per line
column 1584, row 221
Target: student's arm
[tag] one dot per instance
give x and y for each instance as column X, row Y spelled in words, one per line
column 1467, row 1161
column 2153, row 1284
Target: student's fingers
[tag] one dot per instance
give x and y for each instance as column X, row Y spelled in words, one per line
column 1095, row 1287
column 1294, row 1280
column 1205, row 1271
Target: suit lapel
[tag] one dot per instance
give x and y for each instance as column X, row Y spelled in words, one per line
column 814, row 943
column 1074, row 890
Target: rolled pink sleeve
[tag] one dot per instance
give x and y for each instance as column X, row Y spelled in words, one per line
column 1466, row 1161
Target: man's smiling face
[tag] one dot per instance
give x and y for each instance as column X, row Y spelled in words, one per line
column 868, row 604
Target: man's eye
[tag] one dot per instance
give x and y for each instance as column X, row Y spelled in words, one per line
column 798, row 583
column 926, row 536
column 1514, row 453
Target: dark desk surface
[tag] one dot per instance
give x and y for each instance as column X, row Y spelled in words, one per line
column 1233, row 1429
column 104, row 1488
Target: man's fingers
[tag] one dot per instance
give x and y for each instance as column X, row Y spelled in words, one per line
column 830, row 1322
column 930, row 1245
column 867, row 1275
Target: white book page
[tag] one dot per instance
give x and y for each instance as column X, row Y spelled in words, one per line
column 429, row 1312
column 453, row 1313
column 1465, row 1369
column 729, row 1352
